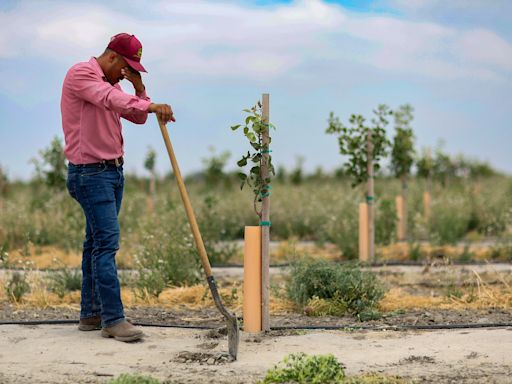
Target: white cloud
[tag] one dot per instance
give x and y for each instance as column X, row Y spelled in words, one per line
column 486, row 48
column 212, row 39
column 54, row 30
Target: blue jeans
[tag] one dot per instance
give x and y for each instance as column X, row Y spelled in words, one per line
column 99, row 191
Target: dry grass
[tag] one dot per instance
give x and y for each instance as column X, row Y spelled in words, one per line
column 402, row 251
column 198, row 297
column 50, row 257
column 396, row 299
column 292, row 249
column 194, row 297
column 477, row 296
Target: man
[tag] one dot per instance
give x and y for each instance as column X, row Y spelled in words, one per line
column 92, row 104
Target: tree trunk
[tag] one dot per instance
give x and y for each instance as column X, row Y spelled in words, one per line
column 370, row 198
column 405, row 190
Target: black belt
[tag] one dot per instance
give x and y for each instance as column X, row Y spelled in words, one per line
column 116, row 162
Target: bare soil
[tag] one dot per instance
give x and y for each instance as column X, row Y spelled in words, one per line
column 61, row 354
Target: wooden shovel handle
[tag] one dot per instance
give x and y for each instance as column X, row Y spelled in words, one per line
column 186, row 201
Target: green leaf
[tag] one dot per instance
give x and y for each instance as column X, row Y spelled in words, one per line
column 256, row 158
column 256, row 146
column 251, row 136
column 235, row 127
column 242, row 162
column 255, row 170
column 242, row 176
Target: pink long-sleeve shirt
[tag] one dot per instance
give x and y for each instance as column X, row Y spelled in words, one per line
column 91, row 114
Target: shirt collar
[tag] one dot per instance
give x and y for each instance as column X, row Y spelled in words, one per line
column 97, row 68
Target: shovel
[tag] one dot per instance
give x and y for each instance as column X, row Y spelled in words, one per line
column 231, row 321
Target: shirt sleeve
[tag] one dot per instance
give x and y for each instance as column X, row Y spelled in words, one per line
column 87, row 85
column 138, row 117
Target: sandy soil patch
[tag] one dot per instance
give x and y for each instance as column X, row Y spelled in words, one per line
column 61, row 354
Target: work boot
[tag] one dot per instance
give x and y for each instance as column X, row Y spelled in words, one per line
column 90, row 324
column 123, row 331
column 93, row 323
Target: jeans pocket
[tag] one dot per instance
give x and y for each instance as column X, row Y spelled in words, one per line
column 71, row 184
column 93, row 171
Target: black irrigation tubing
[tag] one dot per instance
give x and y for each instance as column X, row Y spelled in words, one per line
column 290, row 327
column 394, row 327
column 59, row 322
column 390, row 263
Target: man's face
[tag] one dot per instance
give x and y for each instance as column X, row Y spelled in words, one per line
column 113, row 72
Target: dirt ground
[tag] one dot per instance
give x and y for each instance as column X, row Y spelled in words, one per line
column 64, row 355
column 58, row 353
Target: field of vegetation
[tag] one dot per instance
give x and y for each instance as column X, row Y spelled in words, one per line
column 314, row 235
column 41, row 227
column 319, row 208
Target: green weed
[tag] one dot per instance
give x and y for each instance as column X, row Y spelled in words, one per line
column 64, row 280
column 301, row 368
column 165, row 258
column 345, row 287
column 17, row 287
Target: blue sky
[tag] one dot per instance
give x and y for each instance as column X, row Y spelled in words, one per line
column 210, row 59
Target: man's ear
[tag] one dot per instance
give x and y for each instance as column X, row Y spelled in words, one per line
column 112, row 57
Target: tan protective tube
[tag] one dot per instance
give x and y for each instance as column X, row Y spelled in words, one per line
column 252, row 279
column 427, row 200
column 400, row 228
column 363, row 232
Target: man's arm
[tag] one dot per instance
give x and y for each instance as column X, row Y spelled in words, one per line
column 138, row 117
column 163, row 111
column 102, row 94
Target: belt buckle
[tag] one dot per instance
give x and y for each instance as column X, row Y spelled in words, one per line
column 117, row 162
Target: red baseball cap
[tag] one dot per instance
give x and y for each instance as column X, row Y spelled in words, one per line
column 130, row 48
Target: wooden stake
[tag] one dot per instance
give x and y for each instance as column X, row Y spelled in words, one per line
column 363, row 232
column 265, row 230
column 370, row 200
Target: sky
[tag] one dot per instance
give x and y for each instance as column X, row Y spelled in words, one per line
column 452, row 61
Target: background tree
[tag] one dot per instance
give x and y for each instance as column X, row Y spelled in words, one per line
column 364, row 146
column 425, row 164
column 402, row 156
column 3, row 186
column 51, row 166
column 149, row 164
column 214, row 168
column 353, row 142
column 424, row 170
column 443, row 167
column 297, row 173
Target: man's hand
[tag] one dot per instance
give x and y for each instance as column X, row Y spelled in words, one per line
column 133, row 77
column 163, row 111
